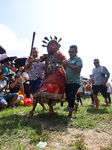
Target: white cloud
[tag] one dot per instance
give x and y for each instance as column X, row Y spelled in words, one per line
column 11, row 43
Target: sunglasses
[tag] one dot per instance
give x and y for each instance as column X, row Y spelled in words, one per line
column 71, row 52
column 96, row 62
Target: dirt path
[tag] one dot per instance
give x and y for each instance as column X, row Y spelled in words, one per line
column 93, row 140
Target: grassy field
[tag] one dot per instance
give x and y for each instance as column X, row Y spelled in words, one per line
column 20, row 131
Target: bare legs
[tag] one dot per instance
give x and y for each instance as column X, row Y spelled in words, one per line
column 43, row 106
column 75, row 109
column 4, row 105
column 34, row 106
column 13, row 100
column 97, row 101
column 106, row 101
column 51, row 103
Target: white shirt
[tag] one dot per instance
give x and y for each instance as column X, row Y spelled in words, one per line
column 25, row 75
column 2, row 84
column 108, row 87
column 12, row 72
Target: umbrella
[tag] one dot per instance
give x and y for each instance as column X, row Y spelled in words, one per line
column 2, row 50
column 5, row 58
column 20, row 61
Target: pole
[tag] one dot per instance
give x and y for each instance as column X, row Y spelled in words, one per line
column 32, row 42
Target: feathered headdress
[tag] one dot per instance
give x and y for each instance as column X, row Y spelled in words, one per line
column 52, row 45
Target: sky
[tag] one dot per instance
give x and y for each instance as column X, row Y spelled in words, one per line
column 85, row 23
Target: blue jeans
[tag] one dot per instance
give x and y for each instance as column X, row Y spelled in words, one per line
column 7, row 98
column 35, row 84
column 108, row 95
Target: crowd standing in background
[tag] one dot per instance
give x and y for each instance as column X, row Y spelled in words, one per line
column 56, row 79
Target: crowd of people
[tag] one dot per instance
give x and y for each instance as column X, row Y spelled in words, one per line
column 52, row 77
column 12, row 84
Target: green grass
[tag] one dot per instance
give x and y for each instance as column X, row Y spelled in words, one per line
column 20, row 131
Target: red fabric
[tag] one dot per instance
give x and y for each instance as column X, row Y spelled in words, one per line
column 54, row 80
column 29, row 86
column 28, row 101
column 54, row 84
column 77, row 93
column 88, row 87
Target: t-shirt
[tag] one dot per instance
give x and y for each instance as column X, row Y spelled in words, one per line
column 73, row 76
column 15, row 89
column 99, row 75
column 25, row 75
column 108, row 87
column 36, row 70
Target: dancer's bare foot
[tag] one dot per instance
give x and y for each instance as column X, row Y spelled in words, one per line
column 31, row 112
column 50, row 113
column 44, row 109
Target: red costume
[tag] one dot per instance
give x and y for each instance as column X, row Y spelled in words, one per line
column 53, row 86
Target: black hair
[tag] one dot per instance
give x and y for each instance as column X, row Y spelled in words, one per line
column 7, row 62
column 96, row 60
column 18, row 67
column 12, row 64
column 2, row 72
column 74, row 46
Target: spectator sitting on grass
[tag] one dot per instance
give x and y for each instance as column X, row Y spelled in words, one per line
column 6, row 98
column 16, row 85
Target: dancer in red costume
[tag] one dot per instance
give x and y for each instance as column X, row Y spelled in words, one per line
column 53, row 86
